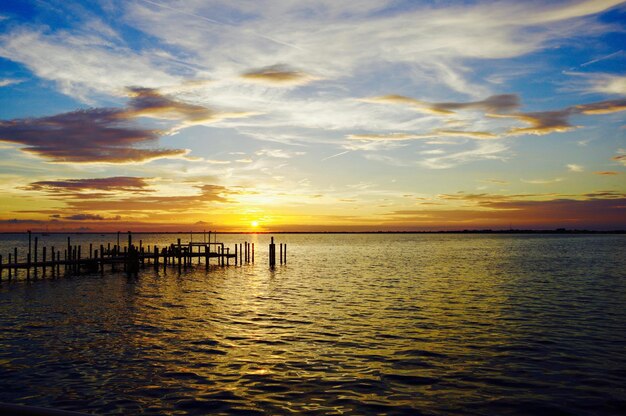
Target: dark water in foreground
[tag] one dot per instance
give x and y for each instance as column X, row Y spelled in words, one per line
column 354, row 324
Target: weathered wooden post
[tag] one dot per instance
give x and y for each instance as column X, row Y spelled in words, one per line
column 179, row 255
column 253, row 253
column 281, row 253
column 91, row 251
column 272, row 254
column 78, row 257
column 156, row 258
column 101, row 258
column 206, row 257
column 35, row 257
column 43, row 262
column 236, row 256
column 285, row 254
column 29, row 242
column 53, row 260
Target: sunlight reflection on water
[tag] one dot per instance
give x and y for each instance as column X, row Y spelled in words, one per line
column 393, row 324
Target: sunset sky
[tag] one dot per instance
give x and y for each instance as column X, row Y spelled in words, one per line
column 151, row 115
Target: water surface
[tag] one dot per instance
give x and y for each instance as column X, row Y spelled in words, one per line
column 352, row 324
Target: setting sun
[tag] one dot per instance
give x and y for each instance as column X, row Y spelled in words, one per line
column 254, row 224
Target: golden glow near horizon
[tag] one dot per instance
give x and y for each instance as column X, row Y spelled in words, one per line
column 451, row 116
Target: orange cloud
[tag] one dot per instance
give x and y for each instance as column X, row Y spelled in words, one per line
column 116, row 183
column 503, row 103
column 607, row 172
column 278, row 75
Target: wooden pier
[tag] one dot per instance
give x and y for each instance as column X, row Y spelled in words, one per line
column 53, row 261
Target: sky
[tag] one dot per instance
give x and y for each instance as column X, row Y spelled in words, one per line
column 294, row 115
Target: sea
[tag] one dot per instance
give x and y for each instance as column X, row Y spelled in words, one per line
column 351, row 324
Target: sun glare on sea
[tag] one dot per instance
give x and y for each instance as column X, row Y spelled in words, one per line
column 254, row 224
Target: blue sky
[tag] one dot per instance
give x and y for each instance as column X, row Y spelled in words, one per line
column 361, row 115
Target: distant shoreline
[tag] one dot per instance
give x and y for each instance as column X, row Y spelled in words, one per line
column 486, row 231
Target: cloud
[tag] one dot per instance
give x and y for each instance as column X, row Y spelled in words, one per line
column 605, row 83
column 542, row 181
column 90, row 217
column 497, row 104
column 546, row 122
column 607, row 173
column 596, row 211
column 278, row 75
column 575, row 168
column 9, row 81
column 620, row 158
column 205, row 194
column 112, row 184
column 278, row 153
column 85, row 136
column 149, row 102
column 107, row 135
column 478, row 135
column 484, row 150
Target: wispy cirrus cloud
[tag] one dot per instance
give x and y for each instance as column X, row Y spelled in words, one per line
column 504, row 103
column 9, row 81
column 478, row 135
column 484, row 150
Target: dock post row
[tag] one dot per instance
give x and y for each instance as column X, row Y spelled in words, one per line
column 130, row 258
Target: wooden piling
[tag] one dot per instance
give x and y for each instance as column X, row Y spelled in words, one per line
column 28, row 266
column 35, row 256
column 272, row 253
column 101, row 258
column 281, row 253
column 252, row 253
column 285, row 254
column 179, row 255
column 9, row 266
column 206, row 257
column 236, row 256
column 53, row 259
